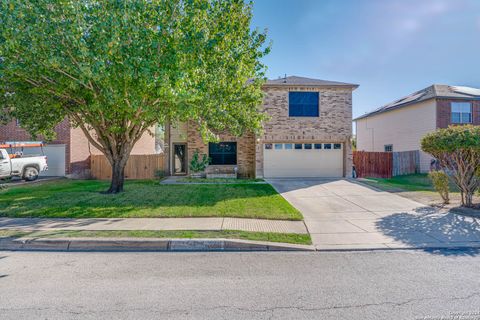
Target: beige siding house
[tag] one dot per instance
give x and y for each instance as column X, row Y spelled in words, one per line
column 399, row 126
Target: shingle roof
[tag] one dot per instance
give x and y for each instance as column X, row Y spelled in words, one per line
column 302, row 81
column 434, row 91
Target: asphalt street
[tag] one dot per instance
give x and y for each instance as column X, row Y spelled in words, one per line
column 228, row 285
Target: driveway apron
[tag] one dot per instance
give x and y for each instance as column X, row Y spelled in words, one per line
column 344, row 214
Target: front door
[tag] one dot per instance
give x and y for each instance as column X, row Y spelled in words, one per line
column 179, row 158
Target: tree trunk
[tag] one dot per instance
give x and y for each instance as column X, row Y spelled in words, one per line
column 118, row 177
column 468, row 199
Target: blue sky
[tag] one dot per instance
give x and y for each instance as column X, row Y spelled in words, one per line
column 390, row 47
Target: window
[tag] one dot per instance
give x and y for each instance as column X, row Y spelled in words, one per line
column 223, row 153
column 337, row 146
column 278, row 146
column 388, row 147
column 461, row 112
column 298, row 146
column 317, row 146
column 288, row 146
column 307, row 146
column 303, row 104
column 327, row 146
column 268, row 146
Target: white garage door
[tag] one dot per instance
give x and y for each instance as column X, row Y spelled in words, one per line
column 303, row 160
column 56, row 159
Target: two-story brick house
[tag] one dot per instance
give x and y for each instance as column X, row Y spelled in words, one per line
column 307, row 135
column 400, row 125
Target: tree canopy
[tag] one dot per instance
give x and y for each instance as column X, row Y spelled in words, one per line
column 457, row 148
column 115, row 68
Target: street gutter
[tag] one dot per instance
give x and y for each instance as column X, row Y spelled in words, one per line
column 144, row 244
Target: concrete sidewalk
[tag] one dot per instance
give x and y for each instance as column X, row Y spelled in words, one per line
column 210, row 224
column 345, row 215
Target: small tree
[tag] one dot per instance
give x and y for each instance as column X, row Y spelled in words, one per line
column 440, row 183
column 457, row 148
column 117, row 68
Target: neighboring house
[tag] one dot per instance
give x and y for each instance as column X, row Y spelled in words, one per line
column 400, row 125
column 307, row 135
column 69, row 154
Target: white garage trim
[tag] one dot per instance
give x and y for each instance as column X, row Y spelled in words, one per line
column 303, row 160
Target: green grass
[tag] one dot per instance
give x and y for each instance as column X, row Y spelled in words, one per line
column 412, row 182
column 187, row 234
column 219, row 180
column 12, row 233
column 82, row 199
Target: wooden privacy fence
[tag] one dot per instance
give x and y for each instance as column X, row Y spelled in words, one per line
column 385, row 164
column 138, row 166
column 406, row 162
column 373, row 164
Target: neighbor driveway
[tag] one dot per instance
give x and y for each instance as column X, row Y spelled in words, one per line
column 344, row 214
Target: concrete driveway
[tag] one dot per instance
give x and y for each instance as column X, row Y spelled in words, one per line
column 343, row 214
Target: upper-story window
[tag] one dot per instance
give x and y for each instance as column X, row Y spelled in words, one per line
column 303, row 104
column 461, row 112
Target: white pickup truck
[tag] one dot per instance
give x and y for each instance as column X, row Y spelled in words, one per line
column 26, row 167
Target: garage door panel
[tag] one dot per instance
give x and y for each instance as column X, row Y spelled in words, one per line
column 291, row 163
column 56, row 159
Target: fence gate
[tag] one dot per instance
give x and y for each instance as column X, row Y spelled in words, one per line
column 373, row 164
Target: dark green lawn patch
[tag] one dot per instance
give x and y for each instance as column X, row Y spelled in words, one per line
column 219, row 180
column 412, row 182
column 187, row 234
column 82, row 199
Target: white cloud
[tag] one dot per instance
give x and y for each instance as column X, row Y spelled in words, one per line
column 408, row 17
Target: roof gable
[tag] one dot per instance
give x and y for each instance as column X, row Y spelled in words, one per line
column 433, row 91
column 303, row 81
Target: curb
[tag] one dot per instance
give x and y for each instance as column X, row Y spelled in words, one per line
column 447, row 246
column 139, row 245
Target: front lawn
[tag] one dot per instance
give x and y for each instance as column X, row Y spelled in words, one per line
column 417, row 187
column 144, row 199
column 219, row 180
column 411, row 182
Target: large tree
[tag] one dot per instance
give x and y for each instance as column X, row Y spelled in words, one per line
column 457, row 148
column 116, row 68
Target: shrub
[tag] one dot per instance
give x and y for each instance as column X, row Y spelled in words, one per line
column 457, row 148
column 159, row 173
column 440, row 183
column 197, row 164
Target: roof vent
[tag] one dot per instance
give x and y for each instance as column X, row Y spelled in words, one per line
column 285, row 78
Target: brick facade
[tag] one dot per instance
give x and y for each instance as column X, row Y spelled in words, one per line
column 444, row 112
column 333, row 125
column 245, row 149
column 12, row 132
